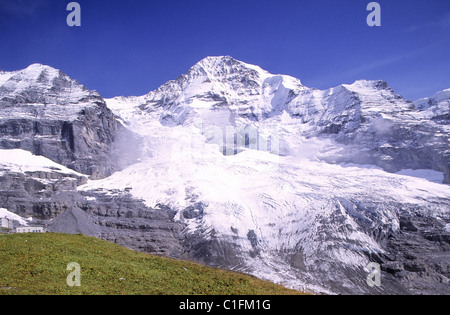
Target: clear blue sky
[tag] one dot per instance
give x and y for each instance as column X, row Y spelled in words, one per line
column 132, row 47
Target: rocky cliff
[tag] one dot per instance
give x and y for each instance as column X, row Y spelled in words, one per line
column 47, row 113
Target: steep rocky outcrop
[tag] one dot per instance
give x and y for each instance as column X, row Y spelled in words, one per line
column 47, row 113
column 50, row 197
column 123, row 220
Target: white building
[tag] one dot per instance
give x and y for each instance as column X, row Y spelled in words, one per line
column 6, row 223
column 30, row 229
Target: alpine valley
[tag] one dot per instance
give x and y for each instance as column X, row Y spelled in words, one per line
column 237, row 168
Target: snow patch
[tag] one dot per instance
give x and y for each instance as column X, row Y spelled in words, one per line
column 22, row 161
column 12, row 216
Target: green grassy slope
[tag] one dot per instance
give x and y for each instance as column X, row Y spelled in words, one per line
column 37, row 263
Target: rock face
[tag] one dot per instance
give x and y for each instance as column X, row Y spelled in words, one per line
column 35, row 187
column 191, row 175
column 419, row 255
column 32, row 194
column 47, row 113
column 122, row 220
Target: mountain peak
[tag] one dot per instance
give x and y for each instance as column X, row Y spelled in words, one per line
column 40, row 83
column 217, row 60
column 223, row 82
column 39, row 66
column 369, row 84
column 220, row 66
column 223, row 58
column 439, row 102
column 43, row 74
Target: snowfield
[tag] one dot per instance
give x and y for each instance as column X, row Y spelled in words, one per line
column 22, row 161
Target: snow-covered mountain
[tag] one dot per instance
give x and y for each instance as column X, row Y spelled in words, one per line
column 376, row 125
column 41, row 84
column 44, row 111
column 437, row 105
column 245, row 170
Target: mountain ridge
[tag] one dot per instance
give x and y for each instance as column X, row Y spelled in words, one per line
column 358, row 113
column 48, row 113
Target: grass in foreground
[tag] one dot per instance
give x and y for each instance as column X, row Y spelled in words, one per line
column 37, row 263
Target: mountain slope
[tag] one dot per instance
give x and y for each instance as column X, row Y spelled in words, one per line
column 36, row 264
column 44, row 111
